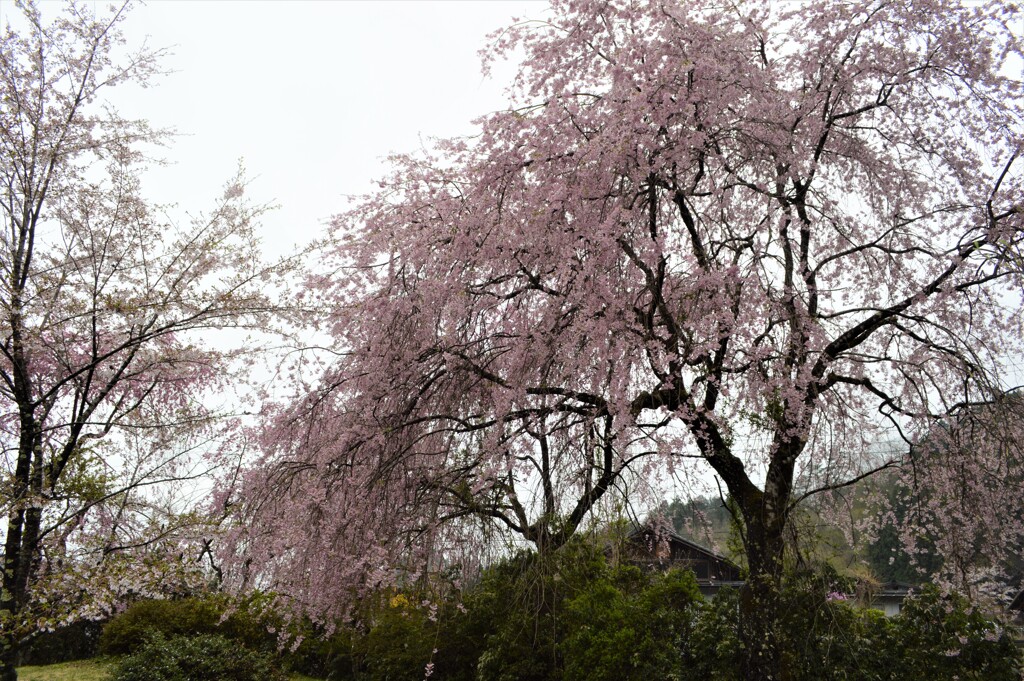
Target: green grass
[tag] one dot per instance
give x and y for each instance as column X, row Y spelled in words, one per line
column 82, row 670
column 86, row 670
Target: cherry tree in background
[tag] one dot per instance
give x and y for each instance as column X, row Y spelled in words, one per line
column 960, row 490
column 105, row 307
column 747, row 240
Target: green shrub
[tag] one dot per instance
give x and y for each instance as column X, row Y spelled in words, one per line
column 250, row 623
column 244, row 623
column 820, row 639
column 669, row 606
column 944, row 637
column 129, row 630
column 77, row 641
column 400, row 643
column 825, row 637
column 195, row 658
column 461, row 639
column 569, row 615
column 323, row 656
column 521, row 610
column 934, row 638
column 606, row 633
column 631, row 626
column 715, row 639
column 572, row 615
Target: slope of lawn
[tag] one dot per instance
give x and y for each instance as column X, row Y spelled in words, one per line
column 80, row 670
column 86, row 670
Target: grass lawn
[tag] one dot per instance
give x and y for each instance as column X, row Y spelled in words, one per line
column 82, row 670
column 85, row 670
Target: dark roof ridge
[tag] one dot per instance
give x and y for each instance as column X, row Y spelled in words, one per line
column 672, row 534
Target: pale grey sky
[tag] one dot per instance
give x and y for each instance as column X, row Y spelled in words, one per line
column 312, row 95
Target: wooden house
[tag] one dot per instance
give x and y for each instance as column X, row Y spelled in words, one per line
column 664, row 549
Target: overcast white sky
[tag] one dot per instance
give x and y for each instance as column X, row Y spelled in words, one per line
column 312, row 95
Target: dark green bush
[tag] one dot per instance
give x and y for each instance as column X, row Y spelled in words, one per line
column 521, row 614
column 77, row 641
column 245, row 624
column 934, row 638
column 626, row 625
column 250, row 623
column 944, row 637
column 126, row 632
column 607, row 631
column 195, row 658
column 571, row 615
column 715, row 640
column 323, row 656
column 820, row 639
column 828, row 638
column 400, row 644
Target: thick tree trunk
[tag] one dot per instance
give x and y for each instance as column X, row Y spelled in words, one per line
column 759, row 603
column 765, row 516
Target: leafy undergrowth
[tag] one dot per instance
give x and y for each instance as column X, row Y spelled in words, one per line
column 87, row 670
